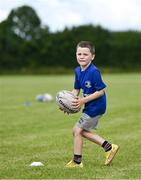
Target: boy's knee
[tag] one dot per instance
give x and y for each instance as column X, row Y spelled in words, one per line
column 77, row 131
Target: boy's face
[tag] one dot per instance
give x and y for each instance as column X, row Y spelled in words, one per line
column 84, row 56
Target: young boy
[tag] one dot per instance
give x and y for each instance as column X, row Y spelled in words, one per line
column 88, row 78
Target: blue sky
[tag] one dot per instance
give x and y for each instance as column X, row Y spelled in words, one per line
column 115, row 15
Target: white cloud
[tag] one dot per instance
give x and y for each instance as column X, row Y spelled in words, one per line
column 111, row 14
column 58, row 15
column 3, row 14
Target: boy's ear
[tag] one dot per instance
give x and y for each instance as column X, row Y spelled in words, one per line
column 93, row 57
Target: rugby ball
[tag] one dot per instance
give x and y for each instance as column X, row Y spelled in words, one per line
column 64, row 100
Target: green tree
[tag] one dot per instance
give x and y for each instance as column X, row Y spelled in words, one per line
column 126, row 49
column 20, row 35
column 26, row 45
column 24, row 22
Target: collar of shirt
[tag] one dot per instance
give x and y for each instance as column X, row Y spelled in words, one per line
column 83, row 69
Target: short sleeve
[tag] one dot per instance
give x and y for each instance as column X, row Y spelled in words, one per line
column 76, row 82
column 98, row 82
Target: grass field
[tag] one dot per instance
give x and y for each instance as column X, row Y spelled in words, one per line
column 40, row 132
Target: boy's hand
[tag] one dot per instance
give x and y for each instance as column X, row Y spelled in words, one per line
column 78, row 102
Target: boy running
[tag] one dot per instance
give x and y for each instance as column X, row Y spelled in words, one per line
column 88, row 78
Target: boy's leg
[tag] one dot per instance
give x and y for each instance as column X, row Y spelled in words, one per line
column 110, row 149
column 93, row 137
column 97, row 139
column 78, row 144
column 78, row 140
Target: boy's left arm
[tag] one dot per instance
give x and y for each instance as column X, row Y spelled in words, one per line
column 80, row 101
column 76, row 91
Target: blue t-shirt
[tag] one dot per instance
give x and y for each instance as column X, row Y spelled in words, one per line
column 90, row 81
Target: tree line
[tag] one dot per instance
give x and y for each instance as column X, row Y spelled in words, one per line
column 28, row 46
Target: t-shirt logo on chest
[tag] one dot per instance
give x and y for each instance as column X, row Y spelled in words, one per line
column 88, row 84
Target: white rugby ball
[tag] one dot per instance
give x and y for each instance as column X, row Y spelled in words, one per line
column 64, row 100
